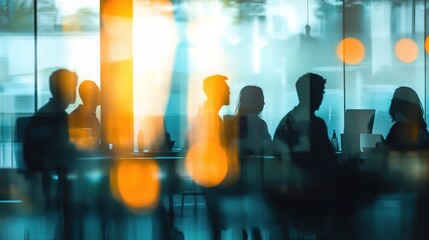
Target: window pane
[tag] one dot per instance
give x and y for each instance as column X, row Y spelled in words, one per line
column 16, row 72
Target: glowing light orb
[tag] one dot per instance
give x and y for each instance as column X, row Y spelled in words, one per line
column 207, row 163
column 136, row 183
column 351, row 50
column 406, row 50
column 427, row 44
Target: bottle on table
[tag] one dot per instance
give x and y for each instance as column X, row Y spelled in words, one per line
column 334, row 142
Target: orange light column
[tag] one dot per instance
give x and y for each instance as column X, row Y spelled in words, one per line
column 116, row 43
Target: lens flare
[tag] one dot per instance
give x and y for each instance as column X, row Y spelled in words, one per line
column 406, row 50
column 351, row 50
column 427, row 44
column 136, row 184
column 207, row 163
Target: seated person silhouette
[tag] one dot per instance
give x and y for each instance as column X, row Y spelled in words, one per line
column 206, row 146
column 247, row 131
column 409, row 133
column 410, row 130
column 46, row 143
column 84, row 117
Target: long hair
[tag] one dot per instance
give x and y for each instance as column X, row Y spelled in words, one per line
column 250, row 100
column 406, row 101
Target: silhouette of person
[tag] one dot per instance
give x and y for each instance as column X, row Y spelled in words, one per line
column 207, row 129
column 247, row 131
column 84, row 115
column 328, row 188
column 46, row 143
column 46, row 146
column 304, row 135
column 208, row 124
column 410, row 130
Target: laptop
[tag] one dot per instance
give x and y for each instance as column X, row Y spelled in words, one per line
column 358, row 125
column 359, row 121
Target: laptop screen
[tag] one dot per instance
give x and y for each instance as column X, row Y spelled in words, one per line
column 359, row 121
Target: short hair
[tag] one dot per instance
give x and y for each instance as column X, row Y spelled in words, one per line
column 308, row 85
column 62, row 82
column 88, row 90
column 213, row 83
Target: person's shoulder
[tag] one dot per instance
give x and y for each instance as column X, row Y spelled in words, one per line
column 262, row 121
column 285, row 118
column 318, row 120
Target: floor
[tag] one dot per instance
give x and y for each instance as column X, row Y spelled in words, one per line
column 22, row 216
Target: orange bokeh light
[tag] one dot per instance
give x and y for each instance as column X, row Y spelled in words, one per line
column 406, row 50
column 427, row 44
column 351, row 50
column 136, row 183
column 207, row 163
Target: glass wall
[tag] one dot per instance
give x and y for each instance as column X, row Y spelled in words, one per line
column 267, row 43
column 262, row 43
column 62, row 34
column 179, row 43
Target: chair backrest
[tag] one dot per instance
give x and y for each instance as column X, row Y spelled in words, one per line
column 21, row 125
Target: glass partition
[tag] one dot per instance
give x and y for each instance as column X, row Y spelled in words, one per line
column 269, row 43
column 61, row 34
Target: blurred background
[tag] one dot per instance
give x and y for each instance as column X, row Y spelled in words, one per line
column 177, row 43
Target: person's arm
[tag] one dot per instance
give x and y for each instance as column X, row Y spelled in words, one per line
column 280, row 139
column 267, row 142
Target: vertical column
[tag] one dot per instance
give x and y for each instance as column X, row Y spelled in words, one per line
column 116, row 43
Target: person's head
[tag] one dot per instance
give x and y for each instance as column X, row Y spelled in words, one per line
column 216, row 90
column 89, row 93
column 310, row 88
column 405, row 105
column 307, row 29
column 62, row 84
column 251, row 100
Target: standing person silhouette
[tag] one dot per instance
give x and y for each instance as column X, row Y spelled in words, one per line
column 303, row 134
column 303, row 137
column 47, row 148
column 247, row 131
column 46, row 142
column 84, row 115
column 247, row 134
column 206, row 159
column 336, row 190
